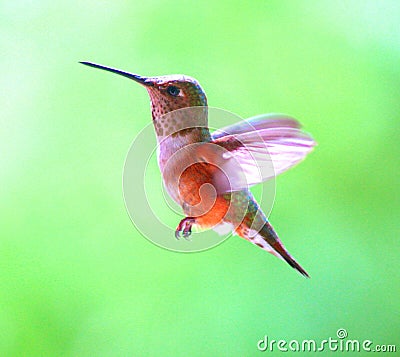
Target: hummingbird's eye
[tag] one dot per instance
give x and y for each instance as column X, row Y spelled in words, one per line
column 174, row 91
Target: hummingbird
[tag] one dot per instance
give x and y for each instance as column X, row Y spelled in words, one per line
column 209, row 174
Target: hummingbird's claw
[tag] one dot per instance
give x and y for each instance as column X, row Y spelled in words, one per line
column 186, row 234
column 184, row 227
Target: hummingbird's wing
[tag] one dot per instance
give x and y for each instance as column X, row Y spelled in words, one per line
column 260, row 148
column 263, row 121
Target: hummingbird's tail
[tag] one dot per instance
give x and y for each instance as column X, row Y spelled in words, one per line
column 268, row 240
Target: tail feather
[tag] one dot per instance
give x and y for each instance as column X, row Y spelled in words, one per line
column 268, row 240
column 270, row 236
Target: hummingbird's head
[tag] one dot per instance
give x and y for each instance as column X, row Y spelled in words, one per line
column 167, row 93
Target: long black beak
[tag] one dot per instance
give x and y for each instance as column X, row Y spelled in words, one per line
column 142, row 80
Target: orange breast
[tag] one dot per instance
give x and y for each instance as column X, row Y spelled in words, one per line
column 199, row 196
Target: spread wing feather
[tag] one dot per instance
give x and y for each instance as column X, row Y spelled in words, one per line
column 258, row 149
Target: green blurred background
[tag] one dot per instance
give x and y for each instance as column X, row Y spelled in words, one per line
column 77, row 279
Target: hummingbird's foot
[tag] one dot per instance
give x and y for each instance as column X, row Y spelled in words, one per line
column 184, row 228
